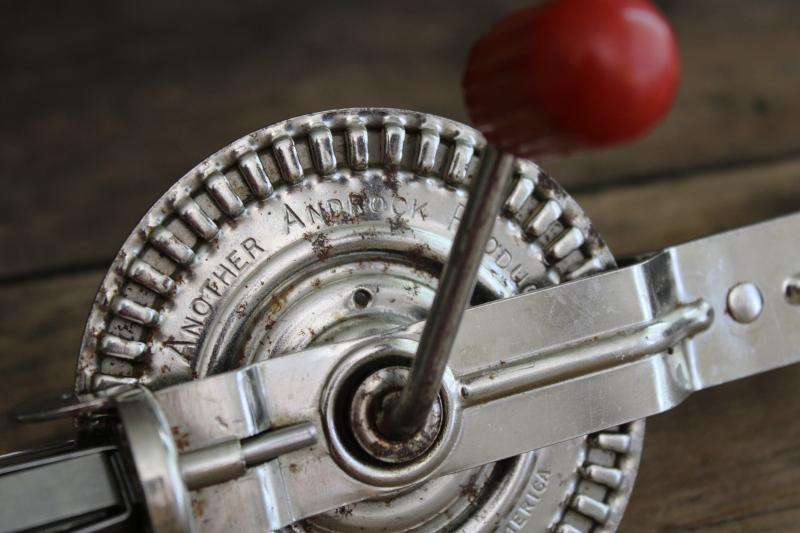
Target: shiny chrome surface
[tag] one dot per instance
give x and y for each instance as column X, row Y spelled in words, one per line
column 347, row 219
column 596, row 353
column 77, row 489
column 154, row 455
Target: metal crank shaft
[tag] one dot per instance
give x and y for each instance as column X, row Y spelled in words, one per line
column 524, row 372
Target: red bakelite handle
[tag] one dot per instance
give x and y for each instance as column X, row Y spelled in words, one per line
column 566, row 75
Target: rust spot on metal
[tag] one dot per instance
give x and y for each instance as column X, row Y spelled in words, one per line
column 397, row 224
column 358, row 200
column 594, row 239
column 392, row 183
column 544, row 181
column 470, row 490
column 198, row 508
column 319, row 244
column 344, row 511
column 221, row 422
column 181, row 437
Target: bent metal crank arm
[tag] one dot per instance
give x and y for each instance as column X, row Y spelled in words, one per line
column 524, row 373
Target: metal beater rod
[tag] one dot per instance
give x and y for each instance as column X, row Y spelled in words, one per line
column 409, row 413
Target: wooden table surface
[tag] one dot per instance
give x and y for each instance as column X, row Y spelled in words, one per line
column 105, row 104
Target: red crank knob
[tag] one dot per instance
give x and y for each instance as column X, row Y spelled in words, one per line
column 572, row 74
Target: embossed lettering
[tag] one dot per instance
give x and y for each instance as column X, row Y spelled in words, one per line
column 225, row 271
column 356, row 203
column 235, row 260
column 249, row 245
column 491, row 245
column 290, row 217
column 504, row 259
column 192, row 326
column 517, row 274
column 457, row 212
column 418, row 209
column 377, row 204
column 399, row 205
column 201, row 306
column 312, row 213
column 335, row 211
column 335, row 207
column 533, row 495
column 184, row 349
column 212, row 286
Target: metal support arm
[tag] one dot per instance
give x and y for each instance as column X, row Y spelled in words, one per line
column 524, row 373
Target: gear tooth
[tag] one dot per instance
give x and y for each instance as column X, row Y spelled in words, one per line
column 527, row 169
column 288, row 161
column 610, row 477
column 130, row 310
column 357, row 147
column 168, row 244
column 426, row 155
column 220, row 190
column 463, row 151
column 254, row 174
column 543, row 218
column 553, row 276
column 592, row 508
column 122, row 348
column 535, row 249
column 102, row 381
column 147, row 276
column 196, row 219
column 615, row 442
column 322, row 152
column 394, row 137
column 593, row 264
column 522, row 191
column 566, row 243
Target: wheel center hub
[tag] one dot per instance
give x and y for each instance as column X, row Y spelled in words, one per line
column 370, row 400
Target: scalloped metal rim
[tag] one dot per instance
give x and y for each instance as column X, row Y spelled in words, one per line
column 210, row 176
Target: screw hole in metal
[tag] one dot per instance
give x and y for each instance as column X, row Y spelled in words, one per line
column 362, row 298
column 791, row 290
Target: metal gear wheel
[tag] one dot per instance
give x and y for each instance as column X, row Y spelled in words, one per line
column 331, row 226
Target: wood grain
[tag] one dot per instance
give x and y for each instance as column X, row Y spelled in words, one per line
column 641, row 218
column 726, row 460
column 41, row 324
column 106, row 104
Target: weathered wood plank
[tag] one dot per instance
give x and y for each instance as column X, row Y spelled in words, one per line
column 105, row 104
column 726, row 460
column 41, row 324
column 647, row 217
